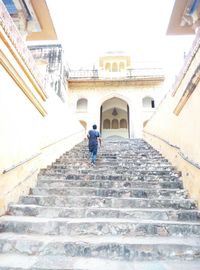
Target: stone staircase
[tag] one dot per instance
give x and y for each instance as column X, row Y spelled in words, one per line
column 128, row 212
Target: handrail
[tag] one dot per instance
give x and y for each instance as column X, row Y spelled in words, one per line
column 195, row 164
column 26, row 178
column 34, row 156
column 62, row 139
column 20, row 163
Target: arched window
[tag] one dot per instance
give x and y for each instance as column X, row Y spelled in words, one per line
column 115, row 124
column 123, row 123
column 148, row 103
column 108, row 67
column 106, row 124
column 82, row 105
column 114, row 67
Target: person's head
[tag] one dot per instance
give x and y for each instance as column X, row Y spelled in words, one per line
column 94, row 126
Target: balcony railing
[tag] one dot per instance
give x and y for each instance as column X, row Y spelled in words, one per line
column 129, row 74
column 51, row 53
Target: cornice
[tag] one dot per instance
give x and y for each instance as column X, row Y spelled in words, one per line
column 113, row 83
column 190, row 88
column 10, row 69
column 11, row 37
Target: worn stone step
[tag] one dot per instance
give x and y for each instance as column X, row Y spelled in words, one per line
column 169, row 177
column 97, row 170
column 117, row 151
column 113, row 248
column 81, row 212
column 98, row 226
column 94, row 201
column 108, row 192
column 20, row 262
column 109, row 163
column 77, row 164
column 131, row 208
column 109, row 183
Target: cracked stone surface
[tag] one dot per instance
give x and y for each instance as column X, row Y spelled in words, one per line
column 129, row 211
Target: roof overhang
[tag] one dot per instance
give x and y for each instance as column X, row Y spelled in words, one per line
column 47, row 27
column 176, row 26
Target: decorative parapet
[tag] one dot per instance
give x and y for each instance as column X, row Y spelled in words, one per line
column 129, row 74
column 15, row 37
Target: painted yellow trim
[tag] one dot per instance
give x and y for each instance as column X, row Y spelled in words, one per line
column 20, row 82
column 194, row 81
column 181, row 104
column 23, row 66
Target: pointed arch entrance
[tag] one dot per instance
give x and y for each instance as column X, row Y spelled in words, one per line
column 114, row 118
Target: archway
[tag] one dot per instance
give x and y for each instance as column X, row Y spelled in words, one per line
column 114, row 118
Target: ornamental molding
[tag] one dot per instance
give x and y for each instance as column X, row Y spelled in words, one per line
column 13, row 40
column 107, row 84
column 10, row 69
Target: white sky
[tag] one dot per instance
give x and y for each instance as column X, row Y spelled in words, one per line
column 89, row 28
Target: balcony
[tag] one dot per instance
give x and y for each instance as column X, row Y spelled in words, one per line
column 129, row 74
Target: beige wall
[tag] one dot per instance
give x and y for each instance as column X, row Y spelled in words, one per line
column 177, row 133
column 35, row 128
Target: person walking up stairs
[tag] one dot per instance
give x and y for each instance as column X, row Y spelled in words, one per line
column 128, row 212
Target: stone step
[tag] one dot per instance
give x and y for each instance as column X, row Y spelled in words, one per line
column 121, row 151
column 112, row 163
column 94, row 201
column 20, row 262
column 98, row 226
column 92, row 212
column 108, row 183
column 104, row 153
column 129, row 211
column 97, row 170
column 59, row 165
column 113, row 248
column 110, row 151
column 121, row 177
column 119, row 193
column 125, row 151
